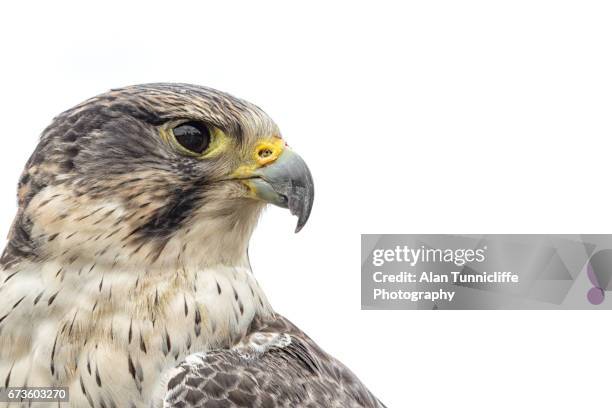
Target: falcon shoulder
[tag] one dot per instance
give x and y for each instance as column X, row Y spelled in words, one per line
column 275, row 365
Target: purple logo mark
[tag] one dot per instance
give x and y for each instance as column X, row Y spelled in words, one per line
column 596, row 294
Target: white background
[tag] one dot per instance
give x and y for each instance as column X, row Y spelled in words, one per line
column 415, row 117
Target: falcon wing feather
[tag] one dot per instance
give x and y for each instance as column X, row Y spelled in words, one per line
column 276, row 365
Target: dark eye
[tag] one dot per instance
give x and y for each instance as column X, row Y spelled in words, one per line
column 193, row 136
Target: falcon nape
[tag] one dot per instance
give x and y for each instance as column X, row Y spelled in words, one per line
column 126, row 276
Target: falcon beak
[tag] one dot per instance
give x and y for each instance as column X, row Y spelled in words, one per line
column 287, row 183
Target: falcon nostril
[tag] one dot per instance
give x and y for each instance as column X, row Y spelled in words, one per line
column 264, row 153
column 267, row 151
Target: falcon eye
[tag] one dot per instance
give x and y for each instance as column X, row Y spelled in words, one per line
column 192, row 136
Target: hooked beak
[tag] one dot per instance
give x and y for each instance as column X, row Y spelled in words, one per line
column 287, row 183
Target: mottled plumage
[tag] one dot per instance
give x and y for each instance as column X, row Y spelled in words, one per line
column 126, row 270
column 275, row 365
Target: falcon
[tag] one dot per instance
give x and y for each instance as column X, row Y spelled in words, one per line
column 126, row 276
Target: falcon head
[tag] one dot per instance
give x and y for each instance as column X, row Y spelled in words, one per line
column 158, row 173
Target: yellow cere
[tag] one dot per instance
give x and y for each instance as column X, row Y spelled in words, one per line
column 266, row 151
